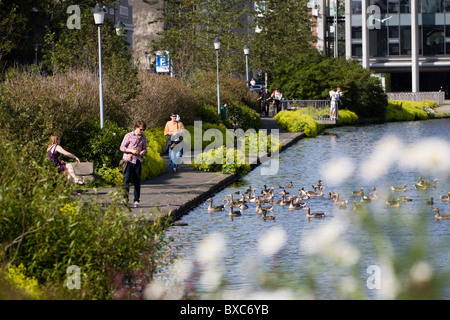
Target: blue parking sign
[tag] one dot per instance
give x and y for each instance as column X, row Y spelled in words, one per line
column 162, row 61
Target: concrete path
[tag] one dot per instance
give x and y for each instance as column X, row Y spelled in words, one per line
column 182, row 191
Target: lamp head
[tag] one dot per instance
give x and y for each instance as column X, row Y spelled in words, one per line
column 246, row 50
column 99, row 14
column 217, row 43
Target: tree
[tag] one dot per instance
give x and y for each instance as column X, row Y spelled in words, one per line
column 285, row 29
column 190, row 29
column 310, row 74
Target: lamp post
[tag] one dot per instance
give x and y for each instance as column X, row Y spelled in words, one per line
column 120, row 28
column 217, row 47
column 246, row 52
column 99, row 16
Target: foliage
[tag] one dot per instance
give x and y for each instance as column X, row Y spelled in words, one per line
column 47, row 229
column 347, row 117
column 309, row 75
column 29, row 286
column 110, row 176
column 190, row 29
column 295, row 121
column 101, row 146
column 153, row 164
column 228, row 161
column 285, row 28
column 161, row 95
column 232, row 91
column 405, row 111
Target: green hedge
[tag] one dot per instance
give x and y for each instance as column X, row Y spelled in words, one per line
column 347, row 117
column 296, row 121
column 400, row 110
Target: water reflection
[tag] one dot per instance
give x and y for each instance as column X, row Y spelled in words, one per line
column 341, row 159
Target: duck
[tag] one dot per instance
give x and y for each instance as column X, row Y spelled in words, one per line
column 420, row 182
column 358, row 192
column 212, row 208
column 446, row 197
column 440, row 216
column 430, row 202
column 399, row 188
column 302, row 194
column 393, row 203
column 284, row 201
column 232, row 213
column 356, row 206
column 317, row 186
column 315, row 214
column 338, row 201
column 404, row 199
column 420, row 187
column 290, row 185
column 266, row 217
column 315, row 194
column 332, row 195
column 252, row 197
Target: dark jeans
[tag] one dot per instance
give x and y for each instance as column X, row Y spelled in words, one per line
column 133, row 172
column 278, row 105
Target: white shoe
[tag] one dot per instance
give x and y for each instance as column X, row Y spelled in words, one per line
column 136, row 204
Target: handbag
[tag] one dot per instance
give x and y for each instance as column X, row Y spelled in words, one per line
column 124, row 163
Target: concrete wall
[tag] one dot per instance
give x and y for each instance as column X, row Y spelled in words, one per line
column 144, row 32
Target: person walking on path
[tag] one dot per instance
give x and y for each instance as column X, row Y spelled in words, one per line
column 134, row 146
column 54, row 150
column 277, row 95
column 174, row 129
column 332, row 104
column 265, row 100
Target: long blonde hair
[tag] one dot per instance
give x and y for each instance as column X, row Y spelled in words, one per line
column 53, row 140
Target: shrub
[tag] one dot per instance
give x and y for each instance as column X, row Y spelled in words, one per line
column 215, row 160
column 28, row 286
column 47, row 229
column 295, row 121
column 160, row 96
column 399, row 110
column 347, row 117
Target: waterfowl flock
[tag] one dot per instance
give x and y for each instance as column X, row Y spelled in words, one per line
column 267, row 199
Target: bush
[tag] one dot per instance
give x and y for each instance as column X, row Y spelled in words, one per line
column 295, row 121
column 347, row 117
column 160, row 96
column 215, row 160
column 399, row 110
column 46, row 229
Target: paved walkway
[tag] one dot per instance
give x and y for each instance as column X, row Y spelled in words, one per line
column 182, row 191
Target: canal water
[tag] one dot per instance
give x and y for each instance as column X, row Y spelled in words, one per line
column 341, row 255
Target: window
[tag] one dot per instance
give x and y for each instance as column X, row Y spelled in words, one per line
column 433, row 40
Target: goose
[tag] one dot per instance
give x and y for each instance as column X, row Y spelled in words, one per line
column 252, row 198
column 365, row 198
column 374, row 195
column 358, row 192
column 420, row 182
column 315, row 194
column 318, row 185
column 302, row 194
column 393, row 204
column 338, row 201
column 296, row 205
column 420, row 187
column 356, row 206
column 332, row 195
column 235, row 202
column 284, row 201
column 406, row 199
column 428, row 185
column 446, row 197
column 315, row 214
column 265, row 208
column 431, row 201
column 232, row 213
column 212, row 208
column 399, row 188
column 440, row 216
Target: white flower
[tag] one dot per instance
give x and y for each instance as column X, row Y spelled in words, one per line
column 421, row 272
column 211, row 248
column 337, row 170
column 272, row 242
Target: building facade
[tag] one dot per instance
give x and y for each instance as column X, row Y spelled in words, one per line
column 407, row 42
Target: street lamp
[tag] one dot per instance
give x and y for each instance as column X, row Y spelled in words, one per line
column 246, row 52
column 217, row 47
column 99, row 16
column 119, row 28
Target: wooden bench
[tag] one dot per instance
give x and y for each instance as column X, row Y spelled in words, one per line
column 85, row 170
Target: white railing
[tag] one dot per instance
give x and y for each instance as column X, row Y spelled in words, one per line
column 437, row 96
column 316, row 108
